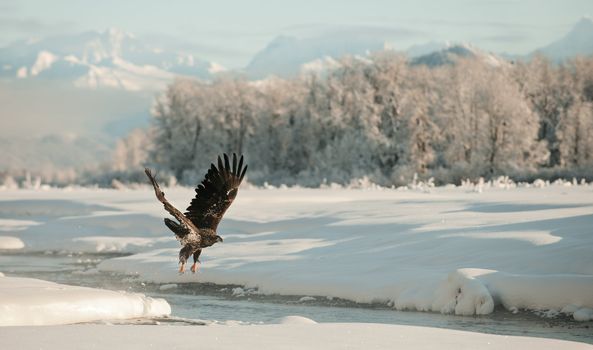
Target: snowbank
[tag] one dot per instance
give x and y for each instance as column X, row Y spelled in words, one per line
column 282, row 336
column 447, row 251
column 11, row 243
column 26, row 301
column 450, row 250
column 296, row 320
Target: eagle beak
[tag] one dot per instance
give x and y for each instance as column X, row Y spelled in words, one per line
column 219, row 239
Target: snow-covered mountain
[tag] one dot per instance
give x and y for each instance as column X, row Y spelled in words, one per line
column 288, row 56
column 111, row 58
column 418, row 50
column 285, row 55
column 450, row 53
column 579, row 41
column 65, row 99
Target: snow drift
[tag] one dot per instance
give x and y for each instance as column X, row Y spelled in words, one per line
column 10, row 243
column 26, row 301
column 449, row 250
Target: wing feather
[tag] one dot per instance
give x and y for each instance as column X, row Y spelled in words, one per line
column 186, row 224
column 226, row 163
column 216, row 192
column 243, row 173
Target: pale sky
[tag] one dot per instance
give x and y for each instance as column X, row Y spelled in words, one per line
column 231, row 32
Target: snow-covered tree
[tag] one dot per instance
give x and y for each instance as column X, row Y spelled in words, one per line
column 177, row 118
column 575, row 135
column 575, row 128
column 380, row 118
column 387, row 76
column 547, row 88
column 419, row 133
column 131, row 152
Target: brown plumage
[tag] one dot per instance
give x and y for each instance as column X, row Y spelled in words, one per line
column 196, row 228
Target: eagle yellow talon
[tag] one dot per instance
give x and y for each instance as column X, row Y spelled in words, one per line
column 182, row 268
column 194, row 268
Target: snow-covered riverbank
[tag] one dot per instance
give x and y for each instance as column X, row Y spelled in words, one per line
column 27, row 301
column 449, row 250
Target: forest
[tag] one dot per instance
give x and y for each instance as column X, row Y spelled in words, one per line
column 380, row 118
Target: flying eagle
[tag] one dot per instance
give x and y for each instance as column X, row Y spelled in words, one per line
column 196, row 228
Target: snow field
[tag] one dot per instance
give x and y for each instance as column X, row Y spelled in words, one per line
column 449, row 250
column 292, row 335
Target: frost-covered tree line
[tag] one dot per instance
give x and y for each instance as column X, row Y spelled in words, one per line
column 381, row 118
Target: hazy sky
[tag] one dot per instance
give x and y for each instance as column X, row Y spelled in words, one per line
column 230, row 32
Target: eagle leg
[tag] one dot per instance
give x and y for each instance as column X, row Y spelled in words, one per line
column 184, row 254
column 194, row 267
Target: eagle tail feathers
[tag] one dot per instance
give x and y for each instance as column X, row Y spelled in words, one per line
column 177, row 229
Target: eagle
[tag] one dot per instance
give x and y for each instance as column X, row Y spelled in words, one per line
column 196, row 228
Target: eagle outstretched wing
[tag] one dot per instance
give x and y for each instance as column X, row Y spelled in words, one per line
column 216, row 192
column 160, row 195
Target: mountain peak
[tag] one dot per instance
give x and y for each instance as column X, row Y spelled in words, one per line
column 285, row 55
column 117, row 34
column 579, row 41
column 586, row 20
column 454, row 51
column 116, row 31
column 282, row 40
column 109, row 58
column 583, row 27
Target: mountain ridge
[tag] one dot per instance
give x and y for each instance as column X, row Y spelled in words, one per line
column 92, row 59
column 578, row 41
column 117, row 59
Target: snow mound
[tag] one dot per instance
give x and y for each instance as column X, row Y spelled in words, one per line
column 109, row 244
column 11, row 243
column 168, row 286
column 476, row 291
column 306, row 298
column 570, row 294
column 12, row 225
column 583, row 314
column 295, row 320
column 26, row 301
column 461, row 294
